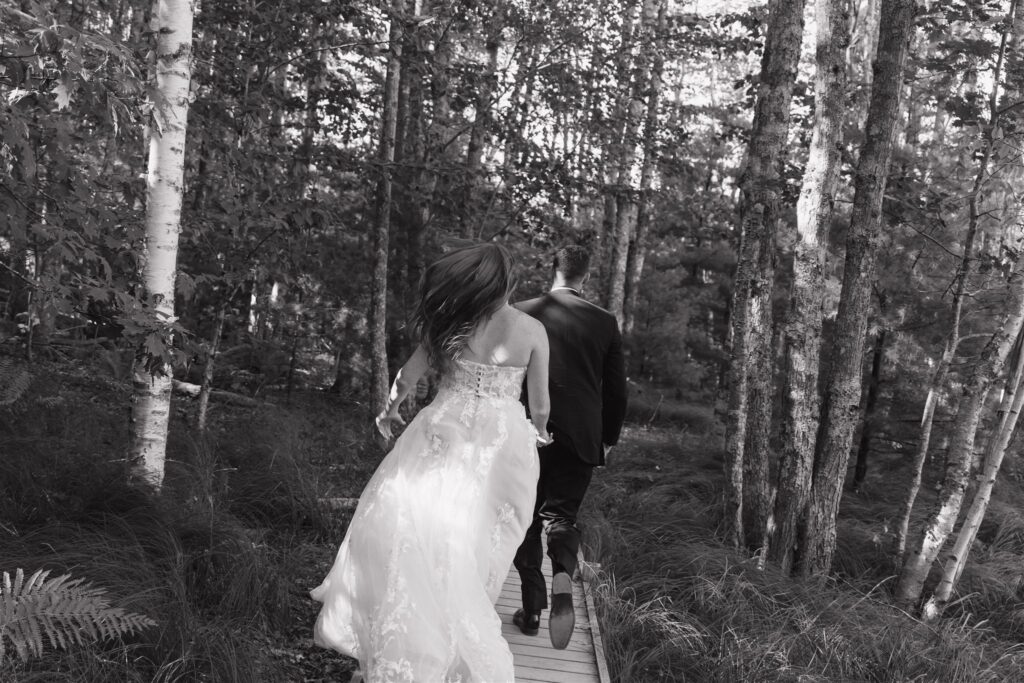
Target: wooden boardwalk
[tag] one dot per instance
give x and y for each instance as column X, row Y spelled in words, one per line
column 536, row 661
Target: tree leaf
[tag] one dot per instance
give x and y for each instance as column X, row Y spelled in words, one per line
column 63, row 95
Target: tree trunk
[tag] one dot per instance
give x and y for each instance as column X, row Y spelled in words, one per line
column 753, row 283
column 430, row 181
column 802, row 332
column 1009, row 411
column 638, row 246
column 472, row 214
column 207, row 386
column 842, row 400
column 626, row 209
column 960, row 452
column 615, row 143
column 967, row 265
column 165, row 184
column 757, row 490
column 860, row 470
column 958, row 461
column 382, row 222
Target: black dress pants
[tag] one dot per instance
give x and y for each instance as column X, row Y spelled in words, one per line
column 563, row 482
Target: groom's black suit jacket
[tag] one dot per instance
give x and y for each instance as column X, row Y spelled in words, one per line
column 587, row 374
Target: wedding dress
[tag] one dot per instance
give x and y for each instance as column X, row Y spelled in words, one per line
column 411, row 594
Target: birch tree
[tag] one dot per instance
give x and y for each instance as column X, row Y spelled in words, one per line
column 995, row 451
column 961, row 447
column 964, row 272
column 626, row 207
column 753, row 282
column 615, row 142
column 1006, row 340
column 151, row 407
column 843, row 394
column 645, row 207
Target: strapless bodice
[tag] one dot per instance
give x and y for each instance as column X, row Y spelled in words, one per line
column 484, row 380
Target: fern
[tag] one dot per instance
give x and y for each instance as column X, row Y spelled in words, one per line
column 14, row 381
column 64, row 609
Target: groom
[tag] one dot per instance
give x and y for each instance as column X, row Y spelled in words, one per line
column 587, row 380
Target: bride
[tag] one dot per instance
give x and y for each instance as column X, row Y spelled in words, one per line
column 412, row 590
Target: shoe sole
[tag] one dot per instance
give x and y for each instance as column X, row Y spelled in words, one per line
column 563, row 614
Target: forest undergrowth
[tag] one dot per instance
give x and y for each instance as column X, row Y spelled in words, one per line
column 222, row 560
column 676, row 604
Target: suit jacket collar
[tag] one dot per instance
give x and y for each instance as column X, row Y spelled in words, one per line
column 573, row 290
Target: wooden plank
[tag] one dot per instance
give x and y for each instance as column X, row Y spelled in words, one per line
column 559, row 665
column 531, row 675
column 544, row 649
column 535, row 660
column 603, row 675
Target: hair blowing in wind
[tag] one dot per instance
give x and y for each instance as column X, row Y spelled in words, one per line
column 459, row 291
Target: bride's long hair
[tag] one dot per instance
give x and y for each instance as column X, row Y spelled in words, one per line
column 459, row 291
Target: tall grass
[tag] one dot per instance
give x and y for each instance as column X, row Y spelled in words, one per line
column 219, row 559
column 676, row 604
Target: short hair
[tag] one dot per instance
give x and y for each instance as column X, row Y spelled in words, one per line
column 572, row 262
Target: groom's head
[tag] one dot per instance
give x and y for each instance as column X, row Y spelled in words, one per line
column 572, row 266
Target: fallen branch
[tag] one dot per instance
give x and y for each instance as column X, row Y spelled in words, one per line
column 226, row 396
column 340, row 503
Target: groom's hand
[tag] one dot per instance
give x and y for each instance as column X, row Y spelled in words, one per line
column 607, row 450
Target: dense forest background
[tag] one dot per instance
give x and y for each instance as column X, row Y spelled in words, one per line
column 806, row 216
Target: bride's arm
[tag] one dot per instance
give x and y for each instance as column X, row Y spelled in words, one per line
column 405, row 384
column 537, row 385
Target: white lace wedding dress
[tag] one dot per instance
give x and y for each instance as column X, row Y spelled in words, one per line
column 412, row 590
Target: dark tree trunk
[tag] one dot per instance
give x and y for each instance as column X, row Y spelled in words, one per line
column 803, row 328
column 382, row 222
column 753, row 283
column 207, row 384
column 860, row 470
column 842, row 399
column 615, row 144
column 472, row 214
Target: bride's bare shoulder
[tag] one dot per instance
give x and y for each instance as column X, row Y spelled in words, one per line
column 529, row 327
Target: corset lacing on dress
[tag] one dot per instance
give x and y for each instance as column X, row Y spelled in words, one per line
column 482, row 380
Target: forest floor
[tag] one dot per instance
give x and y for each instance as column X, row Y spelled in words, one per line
column 224, row 561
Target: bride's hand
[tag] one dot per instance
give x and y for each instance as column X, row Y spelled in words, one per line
column 544, row 439
column 386, row 423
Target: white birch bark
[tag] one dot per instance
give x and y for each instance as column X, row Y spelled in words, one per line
column 967, row 267
column 165, row 189
column 958, row 461
column 1009, row 411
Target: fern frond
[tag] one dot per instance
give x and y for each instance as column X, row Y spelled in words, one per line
column 14, row 381
column 64, row 609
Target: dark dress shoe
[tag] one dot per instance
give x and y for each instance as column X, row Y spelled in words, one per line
column 562, row 620
column 528, row 624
